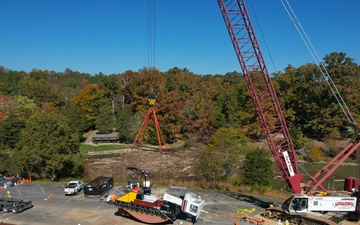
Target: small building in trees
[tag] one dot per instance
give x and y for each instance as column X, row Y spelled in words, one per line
column 105, row 138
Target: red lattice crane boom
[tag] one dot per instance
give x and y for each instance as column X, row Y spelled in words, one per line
column 262, row 91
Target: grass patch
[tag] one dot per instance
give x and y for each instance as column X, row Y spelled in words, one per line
column 100, row 148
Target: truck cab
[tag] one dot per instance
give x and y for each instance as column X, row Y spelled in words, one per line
column 192, row 205
column 304, row 204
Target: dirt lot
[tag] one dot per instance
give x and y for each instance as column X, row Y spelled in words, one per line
column 127, row 164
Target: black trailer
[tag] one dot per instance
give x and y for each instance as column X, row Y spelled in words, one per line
column 14, row 205
column 98, row 186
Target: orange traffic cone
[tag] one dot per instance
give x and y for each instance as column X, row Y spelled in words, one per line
column 237, row 222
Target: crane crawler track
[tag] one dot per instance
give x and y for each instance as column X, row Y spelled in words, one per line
column 144, row 214
column 277, row 213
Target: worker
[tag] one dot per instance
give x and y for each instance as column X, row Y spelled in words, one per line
column 279, row 222
column 9, row 194
column 287, row 222
column 296, row 204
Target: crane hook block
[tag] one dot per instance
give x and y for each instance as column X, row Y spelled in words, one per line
column 152, row 99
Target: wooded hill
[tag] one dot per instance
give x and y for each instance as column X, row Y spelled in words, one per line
column 45, row 113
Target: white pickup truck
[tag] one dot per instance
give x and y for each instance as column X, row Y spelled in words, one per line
column 73, row 187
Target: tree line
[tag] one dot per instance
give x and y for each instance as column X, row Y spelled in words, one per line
column 44, row 114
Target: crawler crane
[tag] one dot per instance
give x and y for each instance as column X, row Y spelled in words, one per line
column 258, row 81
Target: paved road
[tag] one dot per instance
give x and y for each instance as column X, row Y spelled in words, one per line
column 74, row 210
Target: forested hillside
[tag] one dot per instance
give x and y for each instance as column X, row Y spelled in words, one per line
column 44, row 114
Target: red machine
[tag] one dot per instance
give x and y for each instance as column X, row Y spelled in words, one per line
column 273, row 123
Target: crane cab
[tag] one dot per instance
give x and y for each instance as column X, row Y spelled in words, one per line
column 296, row 204
column 306, row 204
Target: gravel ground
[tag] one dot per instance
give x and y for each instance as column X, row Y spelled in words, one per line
column 51, row 206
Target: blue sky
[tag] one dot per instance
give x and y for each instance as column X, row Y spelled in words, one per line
column 111, row 36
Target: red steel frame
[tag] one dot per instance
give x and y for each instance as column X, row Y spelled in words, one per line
column 331, row 166
column 141, row 132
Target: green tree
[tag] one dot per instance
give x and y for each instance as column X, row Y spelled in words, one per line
column 48, row 147
column 9, row 81
column 71, row 82
column 345, row 74
column 75, row 118
column 223, row 155
column 25, row 106
column 104, row 122
column 124, row 126
column 258, row 169
column 10, row 130
column 298, row 138
column 39, row 87
column 112, row 90
column 307, row 101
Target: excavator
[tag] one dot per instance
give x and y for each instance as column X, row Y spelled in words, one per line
column 303, row 205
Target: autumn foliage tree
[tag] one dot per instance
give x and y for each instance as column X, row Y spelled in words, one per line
column 190, row 107
column 90, row 100
column 314, row 154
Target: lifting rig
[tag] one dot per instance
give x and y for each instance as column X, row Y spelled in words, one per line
column 151, row 111
column 258, row 81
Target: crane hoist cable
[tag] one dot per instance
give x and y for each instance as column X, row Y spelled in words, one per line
column 263, row 37
column 296, row 22
column 151, row 33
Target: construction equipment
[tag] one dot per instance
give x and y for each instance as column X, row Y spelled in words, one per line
column 151, row 111
column 258, row 81
column 14, row 205
column 151, row 209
